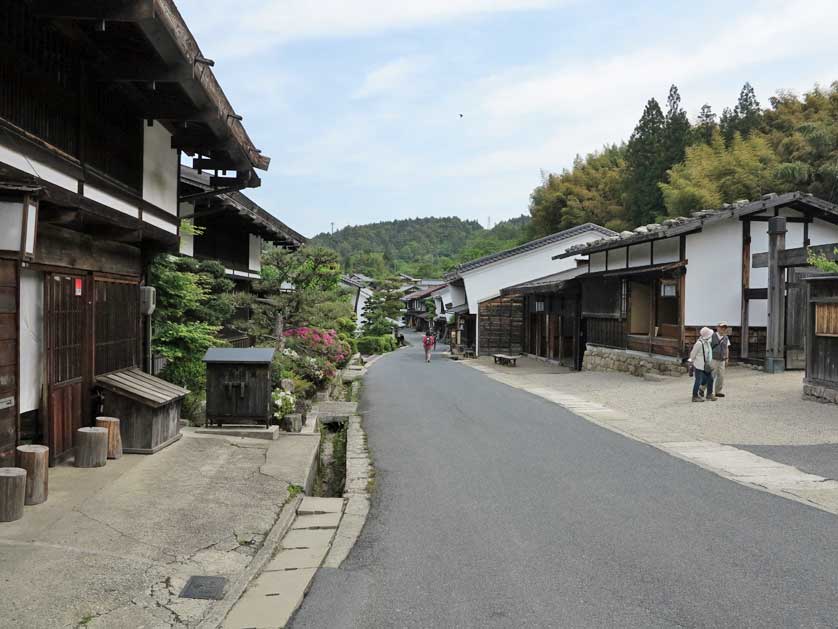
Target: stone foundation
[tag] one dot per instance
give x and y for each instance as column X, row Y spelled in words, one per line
column 816, row 393
column 635, row 363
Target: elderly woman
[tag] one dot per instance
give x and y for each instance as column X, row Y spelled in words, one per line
column 701, row 361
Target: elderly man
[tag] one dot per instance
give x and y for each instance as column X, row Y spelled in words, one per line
column 721, row 353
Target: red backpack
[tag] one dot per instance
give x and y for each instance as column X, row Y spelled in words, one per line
column 428, row 341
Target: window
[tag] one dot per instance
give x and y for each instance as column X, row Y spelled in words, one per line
column 826, row 319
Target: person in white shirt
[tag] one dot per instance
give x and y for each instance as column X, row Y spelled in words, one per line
column 701, row 359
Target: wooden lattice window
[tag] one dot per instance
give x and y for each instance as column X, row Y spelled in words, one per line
column 826, row 319
column 117, row 325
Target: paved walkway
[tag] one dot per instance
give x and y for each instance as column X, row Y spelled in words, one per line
column 114, row 546
column 494, row 507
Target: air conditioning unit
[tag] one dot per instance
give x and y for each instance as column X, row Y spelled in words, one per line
column 148, row 300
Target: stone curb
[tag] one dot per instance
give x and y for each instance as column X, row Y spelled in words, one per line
column 664, row 445
column 219, row 611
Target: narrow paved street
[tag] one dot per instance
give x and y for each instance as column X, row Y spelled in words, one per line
column 495, row 508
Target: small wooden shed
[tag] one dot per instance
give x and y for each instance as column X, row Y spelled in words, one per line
column 239, row 385
column 148, row 409
column 821, row 381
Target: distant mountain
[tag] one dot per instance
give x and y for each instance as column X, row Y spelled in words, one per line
column 421, row 247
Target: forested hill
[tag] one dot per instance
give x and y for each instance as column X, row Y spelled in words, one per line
column 422, row 247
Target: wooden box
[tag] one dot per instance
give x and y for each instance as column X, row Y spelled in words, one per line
column 148, row 409
column 239, row 385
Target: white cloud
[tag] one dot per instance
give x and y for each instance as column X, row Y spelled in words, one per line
column 763, row 37
column 390, row 77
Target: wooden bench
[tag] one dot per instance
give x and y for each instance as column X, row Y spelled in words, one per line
column 469, row 353
column 505, row 359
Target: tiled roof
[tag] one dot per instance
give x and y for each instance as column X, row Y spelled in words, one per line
column 528, row 246
column 695, row 222
column 548, row 282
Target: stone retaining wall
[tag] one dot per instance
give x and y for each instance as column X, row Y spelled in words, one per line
column 634, row 363
column 820, row 394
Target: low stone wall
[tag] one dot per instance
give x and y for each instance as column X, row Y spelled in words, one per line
column 635, row 363
column 818, row 393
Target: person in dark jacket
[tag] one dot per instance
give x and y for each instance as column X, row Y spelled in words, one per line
column 720, row 342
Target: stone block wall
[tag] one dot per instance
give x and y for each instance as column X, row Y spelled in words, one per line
column 818, row 393
column 607, row 359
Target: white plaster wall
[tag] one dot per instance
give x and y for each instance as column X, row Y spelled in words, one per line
column 160, row 168
column 31, row 338
column 32, row 166
column 458, row 295
column 667, row 250
column 640, row 254
column 822, row 233
column 100, row 196
column 617, row 258
column 486, row 282
column 255, row 257
column 597, row 262
column 165, row 225
column 187, row 241
column 713, row 289
column 758, row 308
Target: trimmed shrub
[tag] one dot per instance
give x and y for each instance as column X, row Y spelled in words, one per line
column 376, row 344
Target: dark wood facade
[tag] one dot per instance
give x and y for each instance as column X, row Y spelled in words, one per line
column 9, row 374
column 500, row 326
column 822, row 331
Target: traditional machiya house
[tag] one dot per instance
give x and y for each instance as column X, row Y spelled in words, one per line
column 99, row 102
column 552, row 321
column 359, row 294
column 494, row 321
column 229, row 227
column 646, row 293
column 416, row 309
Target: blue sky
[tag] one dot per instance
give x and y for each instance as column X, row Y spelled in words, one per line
column 358, row 102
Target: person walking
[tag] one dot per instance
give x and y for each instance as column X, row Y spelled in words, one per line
column 701, row 359
column 428, row 342
column 720, row 342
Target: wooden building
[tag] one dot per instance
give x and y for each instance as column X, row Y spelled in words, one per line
column 552, row 323
column 98, row 103
column 649, row 291
column 416, row 311
column 497, row 320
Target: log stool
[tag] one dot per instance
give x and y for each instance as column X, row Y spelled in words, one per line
column 12, row 493
column 91, row 447
column 114, row 437
column 35, row 460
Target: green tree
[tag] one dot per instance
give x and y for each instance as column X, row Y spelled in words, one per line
column 705, row 125
column 676, row 130
column 645, row 166
column 715, row 174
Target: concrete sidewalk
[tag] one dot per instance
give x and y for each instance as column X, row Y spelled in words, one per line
column 114, row 546
column 728, row 437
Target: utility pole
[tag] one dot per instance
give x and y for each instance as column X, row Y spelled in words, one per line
column 333, row 227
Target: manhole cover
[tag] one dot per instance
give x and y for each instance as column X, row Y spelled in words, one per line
column 204, row 587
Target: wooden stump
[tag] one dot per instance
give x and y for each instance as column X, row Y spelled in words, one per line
column 35, row 460
column 91, row 447
column 12, row 493
column 114, row 437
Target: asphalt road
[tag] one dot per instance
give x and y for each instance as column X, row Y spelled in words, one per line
column 496, row 508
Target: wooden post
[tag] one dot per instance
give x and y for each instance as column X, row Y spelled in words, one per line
column 35, row 460
column 91, row 447
column 114, row 436
column 775, row 359
column 744, row 331
column 12, row 493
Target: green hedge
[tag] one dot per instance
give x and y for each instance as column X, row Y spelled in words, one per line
column 376, row 344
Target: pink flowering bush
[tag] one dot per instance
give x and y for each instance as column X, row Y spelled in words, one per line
column 319, row 354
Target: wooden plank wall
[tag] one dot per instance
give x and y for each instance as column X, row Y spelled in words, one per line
column 8, row 362
column 501, row 326
column 822, row 358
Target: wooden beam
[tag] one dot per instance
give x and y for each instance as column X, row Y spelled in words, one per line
column 796, row 257
column 144, row 72
column 756, row 293
column 108, row 10
column 214, row 163
column 789, row 219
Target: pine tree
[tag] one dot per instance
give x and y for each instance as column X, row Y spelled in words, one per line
column 705, row 124
column 645, row 166
column 728, row 124
column 676, row 130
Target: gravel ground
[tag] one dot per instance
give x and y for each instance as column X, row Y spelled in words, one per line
column 759, row 408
